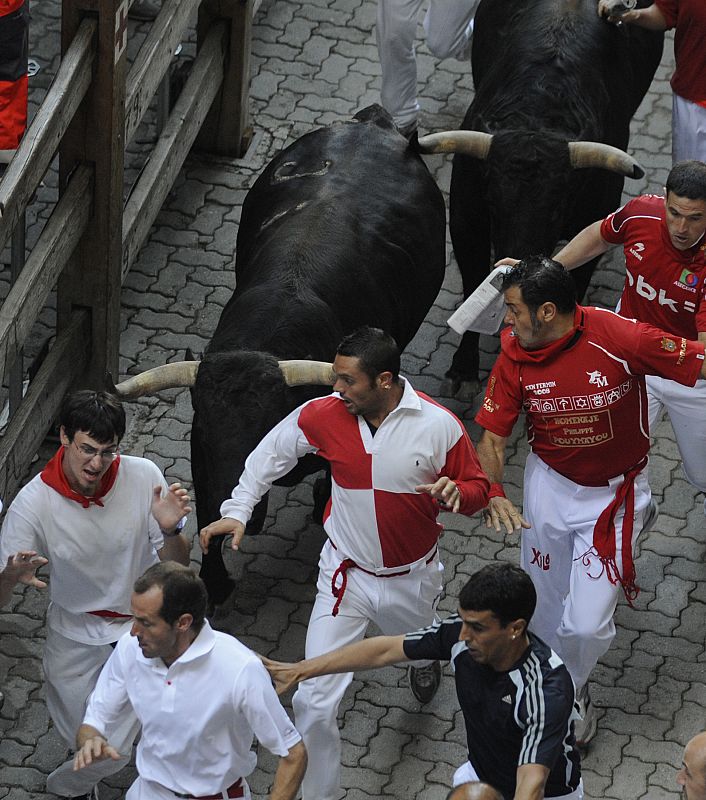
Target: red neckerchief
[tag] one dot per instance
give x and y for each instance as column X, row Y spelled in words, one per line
column 514, row 350
column 53, row 475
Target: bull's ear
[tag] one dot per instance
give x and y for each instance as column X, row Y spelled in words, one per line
column 109, row 383
column 189, row 355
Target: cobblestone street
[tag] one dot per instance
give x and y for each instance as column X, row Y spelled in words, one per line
column 315, row 62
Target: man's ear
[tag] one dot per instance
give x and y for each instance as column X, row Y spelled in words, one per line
column 184, row 622
column 384, row 380
column 546, row 312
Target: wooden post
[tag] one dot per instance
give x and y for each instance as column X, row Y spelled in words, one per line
column 227, row 129
column 92, row 277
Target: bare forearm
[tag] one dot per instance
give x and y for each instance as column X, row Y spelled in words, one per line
column 289, row 774
column 175, row 548
column 531, row 780
column 491, row 455
column 379, row 651
column 583, row 247
column 650, row 18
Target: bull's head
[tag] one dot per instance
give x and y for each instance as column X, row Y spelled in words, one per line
column 237, row 397
column 583, row 155
column 183, row 373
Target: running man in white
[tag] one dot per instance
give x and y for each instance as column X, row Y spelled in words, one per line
column 101, row 519
column 199, row 694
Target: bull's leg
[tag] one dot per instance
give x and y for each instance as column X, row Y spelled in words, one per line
column 470, row 233
column 321, row 494
column 214, row 574
column 461, row 380
column 582, row 277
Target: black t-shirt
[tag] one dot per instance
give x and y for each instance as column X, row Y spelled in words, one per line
column 522, row 716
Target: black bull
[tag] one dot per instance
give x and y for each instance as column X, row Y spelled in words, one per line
column 546, row 73
column 343, row 228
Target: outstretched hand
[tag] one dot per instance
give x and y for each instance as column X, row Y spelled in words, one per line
column 94, row 749
column 445, row 491
column 284, row 676
column 501, row 511
column 21, row 568
column 225, row 526
column 171, row 506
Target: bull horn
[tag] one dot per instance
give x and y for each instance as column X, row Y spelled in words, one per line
column 183, row 373
column 469, row 143
column 604, row 156
column 168, row 376
column 300, row 373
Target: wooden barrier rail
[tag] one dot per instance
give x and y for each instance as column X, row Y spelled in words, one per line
column 89, row 243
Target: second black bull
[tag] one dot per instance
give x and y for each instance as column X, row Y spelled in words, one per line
column 554, row 85
column 343, row 228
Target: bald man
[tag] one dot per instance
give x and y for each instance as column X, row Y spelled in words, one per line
column 692, row 775
column 474, row 790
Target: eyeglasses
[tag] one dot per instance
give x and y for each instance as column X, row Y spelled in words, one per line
column 91, row 452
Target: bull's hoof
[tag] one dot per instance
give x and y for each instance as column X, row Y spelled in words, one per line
column 467, row 391
column 449, row 386
column 321, row 494
column 218, row 595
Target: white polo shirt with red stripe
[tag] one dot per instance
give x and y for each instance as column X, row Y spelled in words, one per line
column 375, row 516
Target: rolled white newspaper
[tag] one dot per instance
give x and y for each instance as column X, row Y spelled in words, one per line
column 484, row 310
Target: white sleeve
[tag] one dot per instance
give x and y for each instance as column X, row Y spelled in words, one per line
column 274, row 457
column 259, row 703
column 109, row 700
column 153, row 530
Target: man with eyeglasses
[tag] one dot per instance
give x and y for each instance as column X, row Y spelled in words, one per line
column 101, row 519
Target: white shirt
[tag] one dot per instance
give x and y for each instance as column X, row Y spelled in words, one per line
column 95, row 554
column 198, row 717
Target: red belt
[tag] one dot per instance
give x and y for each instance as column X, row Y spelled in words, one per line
column 234, row 790
column 110, row 614
column 348, row 563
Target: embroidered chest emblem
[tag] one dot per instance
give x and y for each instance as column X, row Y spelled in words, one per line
column 597, row 378
column 668, row 344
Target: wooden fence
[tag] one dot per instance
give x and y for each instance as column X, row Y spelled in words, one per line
column 92, row 237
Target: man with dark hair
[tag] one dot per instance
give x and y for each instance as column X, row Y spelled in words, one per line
column 396, row 458
column 665, row 263
column 101, row 519
column 578, row 375
column 199, row 694
column 516, row 695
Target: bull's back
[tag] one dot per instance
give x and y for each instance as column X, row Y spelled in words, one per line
column 345, row 227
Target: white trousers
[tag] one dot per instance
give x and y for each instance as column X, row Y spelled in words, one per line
column 142, row 789
column 448, row 26
column 465, row 774
column 396, row 605
column 575, row 599
column 686, row 406
column 71, row 671
column 688, row 130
